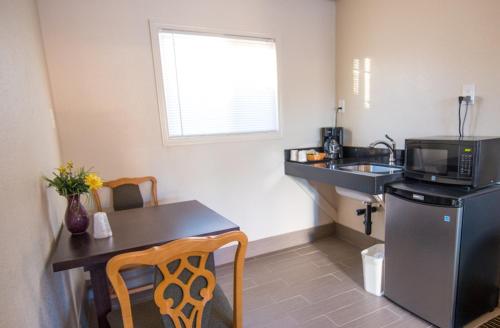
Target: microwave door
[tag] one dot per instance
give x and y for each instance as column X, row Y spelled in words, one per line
column 429, row 160
column 436, row 161
column 419, row 164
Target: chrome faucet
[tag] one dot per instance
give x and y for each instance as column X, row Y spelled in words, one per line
column 391, row 147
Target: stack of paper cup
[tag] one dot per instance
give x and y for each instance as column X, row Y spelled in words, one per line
column 101, row 226
column 302, row 156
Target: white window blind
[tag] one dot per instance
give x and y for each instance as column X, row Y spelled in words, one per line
column 217, row 84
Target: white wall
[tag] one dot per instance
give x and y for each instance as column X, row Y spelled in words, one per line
column 31, row 295
column 101, row 69
column 421, row 52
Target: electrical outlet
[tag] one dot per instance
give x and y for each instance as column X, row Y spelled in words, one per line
column 341, row 105
column 469, row 90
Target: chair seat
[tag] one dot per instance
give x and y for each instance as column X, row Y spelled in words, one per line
column 147, row 315
column 221, row 315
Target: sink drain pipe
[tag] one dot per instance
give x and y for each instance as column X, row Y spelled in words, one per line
column 367, row 212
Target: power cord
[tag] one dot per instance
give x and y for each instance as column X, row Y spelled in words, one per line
column 465, row 116
column 460, row 100
column 461, row 123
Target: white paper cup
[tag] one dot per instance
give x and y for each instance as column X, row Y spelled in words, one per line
column 303, row 156
column 102, row 229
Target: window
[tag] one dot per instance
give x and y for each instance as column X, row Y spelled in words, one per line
column 212, row 85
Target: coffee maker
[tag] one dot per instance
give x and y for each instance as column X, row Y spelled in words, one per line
column 333, row 141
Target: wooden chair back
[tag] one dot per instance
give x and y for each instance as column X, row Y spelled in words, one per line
column 182, row 249
column 124, row 181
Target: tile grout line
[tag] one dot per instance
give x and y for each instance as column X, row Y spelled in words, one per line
column 357, row 318
column 400, row 318
column 338, row 309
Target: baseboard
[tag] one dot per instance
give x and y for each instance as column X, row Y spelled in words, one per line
column 354, row 237
column 276, row 243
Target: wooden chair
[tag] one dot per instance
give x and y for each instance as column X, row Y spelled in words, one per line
column 183, row 264
column 126, row 193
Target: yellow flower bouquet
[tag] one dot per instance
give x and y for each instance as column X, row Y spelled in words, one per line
column 71, row 183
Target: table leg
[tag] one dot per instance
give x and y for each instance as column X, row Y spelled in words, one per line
column 102, row 301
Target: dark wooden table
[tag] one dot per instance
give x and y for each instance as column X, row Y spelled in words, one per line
column 133, row 230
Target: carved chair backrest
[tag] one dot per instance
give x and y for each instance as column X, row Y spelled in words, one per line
column 183, row 251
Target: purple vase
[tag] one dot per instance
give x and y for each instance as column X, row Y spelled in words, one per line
column 76, row 217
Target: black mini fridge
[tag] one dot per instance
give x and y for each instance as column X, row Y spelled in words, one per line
column 442, row 251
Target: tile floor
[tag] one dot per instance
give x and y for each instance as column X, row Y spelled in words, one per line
column 318, row 285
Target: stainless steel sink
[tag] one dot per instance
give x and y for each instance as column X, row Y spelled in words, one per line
column 370, row 168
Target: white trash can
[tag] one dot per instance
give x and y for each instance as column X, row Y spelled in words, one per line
column 373, row 269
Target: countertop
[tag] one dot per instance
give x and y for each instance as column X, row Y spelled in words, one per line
column 327, row 171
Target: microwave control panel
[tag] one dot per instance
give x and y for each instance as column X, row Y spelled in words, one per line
column 466, row 160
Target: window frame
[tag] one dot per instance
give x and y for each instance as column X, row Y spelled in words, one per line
column 155, row 29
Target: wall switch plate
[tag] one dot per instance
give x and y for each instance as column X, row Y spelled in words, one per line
column 469, row 90
column 341, row 105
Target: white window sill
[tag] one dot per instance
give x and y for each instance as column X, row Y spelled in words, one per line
column 221, row 138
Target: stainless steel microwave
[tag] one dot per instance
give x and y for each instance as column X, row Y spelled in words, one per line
column 468, row 161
